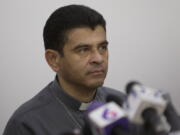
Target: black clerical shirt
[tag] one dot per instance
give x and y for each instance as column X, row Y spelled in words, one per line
column 52, row 112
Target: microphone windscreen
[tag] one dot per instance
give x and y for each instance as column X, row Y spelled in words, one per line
column 130, row 86
column 115, row 99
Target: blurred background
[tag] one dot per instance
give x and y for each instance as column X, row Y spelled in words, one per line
column 144, row 45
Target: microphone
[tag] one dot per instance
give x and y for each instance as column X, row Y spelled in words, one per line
column 86, row 130
column 133, row 128
column 108, row 119
column 171, row 114
column 145, row 105
column 116, row 99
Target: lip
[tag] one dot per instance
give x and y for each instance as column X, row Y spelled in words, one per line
column 97, row 72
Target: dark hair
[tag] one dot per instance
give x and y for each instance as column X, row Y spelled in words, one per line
column 66, row 18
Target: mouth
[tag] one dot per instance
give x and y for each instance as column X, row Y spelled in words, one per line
column 97, row 72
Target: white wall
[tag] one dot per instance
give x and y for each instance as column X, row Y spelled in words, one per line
column 144, row 38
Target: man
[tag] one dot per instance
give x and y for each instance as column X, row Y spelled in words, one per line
column 76, row 49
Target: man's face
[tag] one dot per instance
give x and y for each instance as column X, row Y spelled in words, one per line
column 85, row 60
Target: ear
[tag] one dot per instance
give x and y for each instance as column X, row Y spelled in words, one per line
column 53, row 59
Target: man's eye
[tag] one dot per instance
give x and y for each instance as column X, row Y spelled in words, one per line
column 83, row 50
column 103, row 47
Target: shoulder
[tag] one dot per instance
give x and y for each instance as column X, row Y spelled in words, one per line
column 35, row 104
column 28, row 113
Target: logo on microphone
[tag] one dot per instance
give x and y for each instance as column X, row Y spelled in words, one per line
column 109, row 114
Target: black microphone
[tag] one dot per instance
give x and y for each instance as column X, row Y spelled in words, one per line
column 107, row 119
column 134, row 129
column 171, row 114
column 116, row 99
column 118, row 130
column 145, row 105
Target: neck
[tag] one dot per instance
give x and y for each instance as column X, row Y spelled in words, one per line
column 80, row 93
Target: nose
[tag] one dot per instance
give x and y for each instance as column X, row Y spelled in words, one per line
column 96, row 57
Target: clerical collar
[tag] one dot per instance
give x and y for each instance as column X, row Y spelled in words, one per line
column 84, row 106
column 69, row 100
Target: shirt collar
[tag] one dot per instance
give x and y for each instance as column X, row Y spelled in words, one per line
column 68, row 100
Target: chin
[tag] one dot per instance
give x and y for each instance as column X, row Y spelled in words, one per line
column 95, row 84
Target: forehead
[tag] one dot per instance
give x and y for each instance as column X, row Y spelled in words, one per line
column 86, row 35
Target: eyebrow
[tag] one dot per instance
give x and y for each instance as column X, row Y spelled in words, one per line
column 80, row 46
column 104, row 43
column 87, row 45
